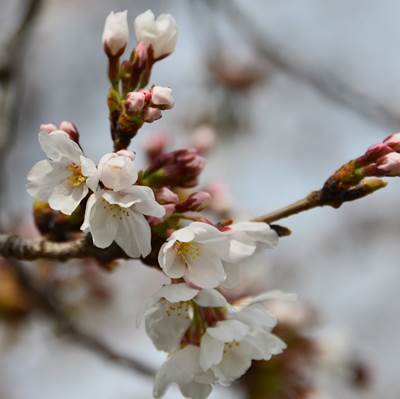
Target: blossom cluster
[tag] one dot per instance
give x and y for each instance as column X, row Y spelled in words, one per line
column 155, row 214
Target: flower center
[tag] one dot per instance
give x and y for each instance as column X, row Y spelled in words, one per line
column 115, row 210
column 76, row 178
column 187, row 251
column 230, row 345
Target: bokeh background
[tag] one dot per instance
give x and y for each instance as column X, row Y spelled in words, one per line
column 321, row 83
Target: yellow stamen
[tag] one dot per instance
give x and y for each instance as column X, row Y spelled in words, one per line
column 76, row 178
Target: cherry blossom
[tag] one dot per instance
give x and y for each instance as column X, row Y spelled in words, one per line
column 116, row 33
column 65, row 178
column 160, row 33
column 119, row 216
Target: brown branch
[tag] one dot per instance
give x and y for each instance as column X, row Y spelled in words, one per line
column 327, row 196
column 46, row 299
column 12, row 246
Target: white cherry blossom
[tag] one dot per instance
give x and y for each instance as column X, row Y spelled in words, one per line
column 249, row 237
column 196, row 253
column 170, row 313
column 119, row 216
column 183, row 368
column 117, row 170
column 245, row 335
column 160, row 33
column 65, row 178
column 116, row 33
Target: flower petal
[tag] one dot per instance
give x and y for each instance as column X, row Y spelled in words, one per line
column 205, row 271
column 176, row 292
column 169, row 262
column 43, row 177
column 58, row 146
column 89, row 170
column 228, row 330
column 211, row 351
column 210, row 298
column 147, row 204
column 65, row 198
column 194, row 390
column 103, row 225
column 134, row 234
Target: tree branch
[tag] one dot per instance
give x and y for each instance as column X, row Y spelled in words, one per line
column 45, row 297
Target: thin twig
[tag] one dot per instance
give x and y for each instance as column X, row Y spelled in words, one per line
column 46, row 299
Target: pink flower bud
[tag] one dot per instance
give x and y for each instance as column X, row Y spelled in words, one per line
column 179, row 168
column 164, row 196
column 203, row 138
column 195, row 202
column 155, row 145
column 373, row 153
column 65, row 126
column 48, row 127
column 152, row 114
column 390, row 164
column 71, row 129
column 135, row 102
column 393, row 141
column 162, row 97
column 116, row 33
column 142, row 53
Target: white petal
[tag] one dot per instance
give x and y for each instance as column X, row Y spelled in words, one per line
column 256, row 316
column 177, row 292
column 89, row 205
column 103, row 225
column 58, row 146
column 65, row 198
column 181, row 368
column 166, row 325
column 205, row 271
column 89, row 170
column 122, row 198
column 211, row 351
column 262, row 345
column 209, row 298
column 194, row 390
column 147, row 204
column 169, row 262
column 228, row 330
column 240, row 250
column 233, row 274
column 42, row 179
column 134, row 234
column 271, row 295
column 233, row 366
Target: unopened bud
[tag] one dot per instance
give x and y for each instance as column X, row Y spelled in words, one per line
column 71, row 129
column 135, row 102
column 179, row 168
column 195, row 202
column 393, row 141
column 160, row 33
column 162, row 97
column 152, row 114
column 48, row 127
column 373, row 153
column 116, row 33
column 390, row 164
column 67, row 127
column 165, row 196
